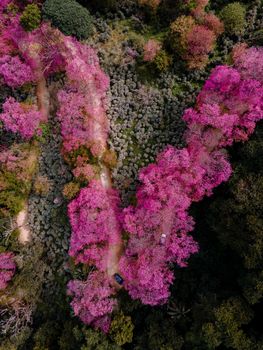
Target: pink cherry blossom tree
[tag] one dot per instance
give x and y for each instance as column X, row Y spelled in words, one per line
column 7, row 268
column 21, row 118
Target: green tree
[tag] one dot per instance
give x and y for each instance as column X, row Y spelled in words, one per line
column 69, row 16
column 31, row 17
column 233, row 16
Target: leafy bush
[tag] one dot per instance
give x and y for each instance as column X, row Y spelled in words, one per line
column 17, row 167
column 70, row 190
column 229, row 316
column 233, row 16
column 31, row 17
column 69, row 16
column 95, row 340
column 42, row 185
column 194, row 36
column 162, row 61
column 121, row 330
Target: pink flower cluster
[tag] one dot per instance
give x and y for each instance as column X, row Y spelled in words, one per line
column 248, row 61
column 92, row 217
column 93, row 301
column 15, row 72
column 75, row 124
column 151, row 49
column 94, row 228
column 21, row 118
column 7, row 268
column 229, row 103
column 82, row 103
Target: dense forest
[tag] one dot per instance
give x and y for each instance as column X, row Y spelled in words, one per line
column 131, row 175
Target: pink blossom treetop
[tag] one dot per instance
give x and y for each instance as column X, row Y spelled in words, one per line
column 249, row 62
column 15, row 72
column 92, row 216
column 151, row 49
column 237, row 102
column 7, row 268
column 21, row 118
column 87, row 85
column 93, row 300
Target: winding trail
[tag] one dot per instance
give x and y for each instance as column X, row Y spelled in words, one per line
column 115, row 244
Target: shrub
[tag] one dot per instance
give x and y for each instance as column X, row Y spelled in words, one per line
column 233, row 16
column 70, row 190
column 86, row 172
column 213, row 23
column 42, row 185
column 200, row 41
column 17, row 167
column 180, row 29
column 69, row 16
column 162, row 61
column 92, row 300
column 110, row 158
column 31, row 17
column 193, row 37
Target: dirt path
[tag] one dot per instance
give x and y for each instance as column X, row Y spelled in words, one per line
column 115, row 244
column 42, row 93
column 23, row 227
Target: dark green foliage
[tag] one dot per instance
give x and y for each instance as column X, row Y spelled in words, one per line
column 16, row 185
column 223, row 286
column 45, row 336
column 12, row 199
column 102, row 5
column 227, row 326
column 233, row 16
column 156, row 331
column 69, row 16
column 23, row 297
column 257, row 38
column 95, row 340
column 31, row 17
column 121, row 330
